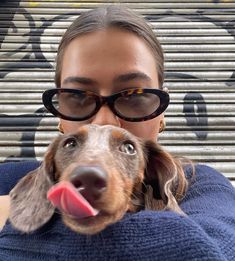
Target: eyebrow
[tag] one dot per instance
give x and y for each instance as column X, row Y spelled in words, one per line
column 123, row 78
column 131, row 76
column 76, row 79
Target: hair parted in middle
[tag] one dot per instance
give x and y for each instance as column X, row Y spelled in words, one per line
column 117, row 16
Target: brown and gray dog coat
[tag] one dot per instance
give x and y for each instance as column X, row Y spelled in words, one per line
column 113, row 170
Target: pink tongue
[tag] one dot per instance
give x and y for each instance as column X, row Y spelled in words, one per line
column 67, row 198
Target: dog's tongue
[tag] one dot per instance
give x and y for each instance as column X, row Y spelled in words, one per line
column 67, row 198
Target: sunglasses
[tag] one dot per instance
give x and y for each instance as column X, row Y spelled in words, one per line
column 130, row 105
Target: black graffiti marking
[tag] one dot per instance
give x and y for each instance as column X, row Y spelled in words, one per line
column 8, row 23
column 196, row 114
column 201, row 16
column 31, row 121
column 194, row 108
column 232, row 80
column 194, row 105
column 178, row 75
column 35, row 44
column 34, row 41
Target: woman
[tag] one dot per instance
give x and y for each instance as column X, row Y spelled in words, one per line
column 106, row 51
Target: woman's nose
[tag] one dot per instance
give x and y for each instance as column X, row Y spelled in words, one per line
column 106, row 117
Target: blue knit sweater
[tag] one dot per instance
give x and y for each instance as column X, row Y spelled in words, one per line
column 207, row 233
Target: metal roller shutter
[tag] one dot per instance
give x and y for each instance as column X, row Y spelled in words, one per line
column 198, row 38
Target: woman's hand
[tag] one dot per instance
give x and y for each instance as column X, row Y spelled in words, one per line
column 4, row 210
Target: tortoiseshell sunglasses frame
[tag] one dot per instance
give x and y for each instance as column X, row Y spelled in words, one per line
column 109, row 100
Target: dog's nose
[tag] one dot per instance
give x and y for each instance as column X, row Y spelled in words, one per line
column 90, row 181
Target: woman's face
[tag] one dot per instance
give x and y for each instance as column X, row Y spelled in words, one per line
column 107, row 62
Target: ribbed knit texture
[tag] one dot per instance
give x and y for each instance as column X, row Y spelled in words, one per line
column 207, row 233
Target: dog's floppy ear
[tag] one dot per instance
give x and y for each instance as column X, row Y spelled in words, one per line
column 165, row 182
column 29, row 207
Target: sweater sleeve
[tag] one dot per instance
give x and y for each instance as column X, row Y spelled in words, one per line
column 12, row 172
column 210, row 204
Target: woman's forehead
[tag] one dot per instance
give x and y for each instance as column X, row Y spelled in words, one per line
column 108, row 54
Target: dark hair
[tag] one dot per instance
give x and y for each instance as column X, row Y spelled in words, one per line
column 104, row 17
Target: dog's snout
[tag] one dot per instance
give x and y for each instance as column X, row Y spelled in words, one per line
column 90, row 181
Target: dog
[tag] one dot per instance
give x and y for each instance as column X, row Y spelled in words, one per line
column 114, row 171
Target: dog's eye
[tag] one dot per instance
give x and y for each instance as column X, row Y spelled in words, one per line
column 70, row 143
column 128, row 148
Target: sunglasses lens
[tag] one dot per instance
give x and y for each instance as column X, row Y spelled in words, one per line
column 137, row 105
column 74, row 105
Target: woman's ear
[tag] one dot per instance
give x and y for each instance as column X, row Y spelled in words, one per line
column 162, row 123
column 165, row 182
column 29, row 207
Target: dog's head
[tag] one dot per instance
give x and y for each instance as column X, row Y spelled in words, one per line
column 112, row 169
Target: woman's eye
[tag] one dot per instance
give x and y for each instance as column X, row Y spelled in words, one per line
column 128, row 148
column 70, row 143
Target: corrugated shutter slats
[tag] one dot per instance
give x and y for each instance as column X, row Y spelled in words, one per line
column 198, row 38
